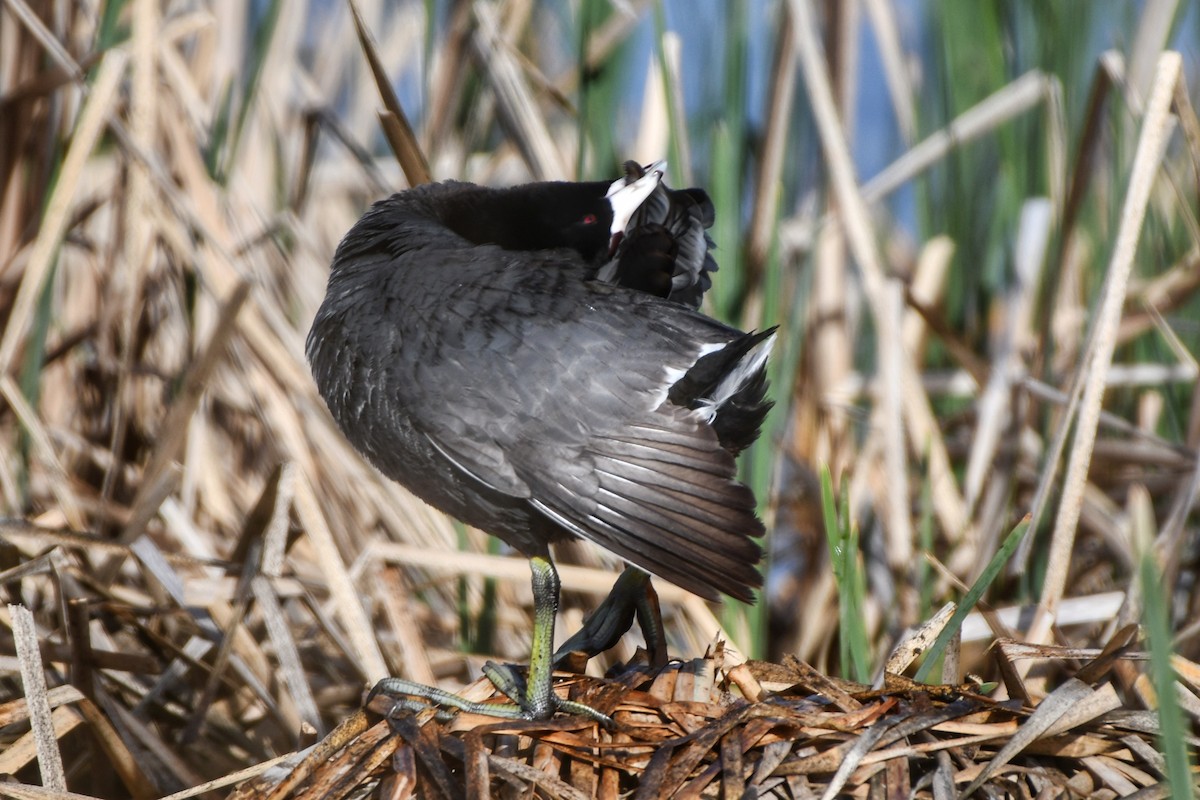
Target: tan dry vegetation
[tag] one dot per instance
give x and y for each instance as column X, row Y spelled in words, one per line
column 204, row 577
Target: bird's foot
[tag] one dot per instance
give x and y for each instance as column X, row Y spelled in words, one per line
column 507, row 679
column 411, row 697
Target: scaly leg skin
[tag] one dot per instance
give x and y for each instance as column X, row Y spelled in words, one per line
column 412, row 696
column 632, row 595
column 533, row 698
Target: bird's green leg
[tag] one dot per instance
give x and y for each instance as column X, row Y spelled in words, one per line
column 632, row 595
column 539, row 693
column 533, row 698
column 538, row 700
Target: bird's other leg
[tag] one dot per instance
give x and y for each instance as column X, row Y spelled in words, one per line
column 632, row 596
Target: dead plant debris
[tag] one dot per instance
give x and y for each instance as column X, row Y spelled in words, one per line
column 698, row 729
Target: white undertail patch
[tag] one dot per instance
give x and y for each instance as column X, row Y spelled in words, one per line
column 738, row 377
column 673, row 374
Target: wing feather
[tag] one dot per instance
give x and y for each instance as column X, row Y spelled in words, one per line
column 668, row 502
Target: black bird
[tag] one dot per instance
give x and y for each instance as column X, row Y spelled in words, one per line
column 530, row 361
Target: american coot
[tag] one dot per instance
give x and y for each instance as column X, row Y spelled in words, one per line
column 530, row 361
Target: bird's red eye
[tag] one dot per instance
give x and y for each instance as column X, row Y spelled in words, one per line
column 590, row 219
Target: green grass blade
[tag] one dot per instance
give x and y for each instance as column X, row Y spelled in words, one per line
column 972, row 597
column 263, row 34
column 674, row 125
column 111, row 30
column 842, row 537
column 1157, row 617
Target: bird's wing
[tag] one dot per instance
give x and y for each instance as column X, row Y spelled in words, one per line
column 659, row 492
column 546, row 388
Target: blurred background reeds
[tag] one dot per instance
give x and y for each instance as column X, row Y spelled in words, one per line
column 976, row 225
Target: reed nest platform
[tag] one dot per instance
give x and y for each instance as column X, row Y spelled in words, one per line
column 699, row 729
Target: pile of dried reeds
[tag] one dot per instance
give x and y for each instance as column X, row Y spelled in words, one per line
column 702, row 729
column 202, row 576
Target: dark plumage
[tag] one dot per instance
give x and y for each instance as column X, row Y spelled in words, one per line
column 503, row 354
